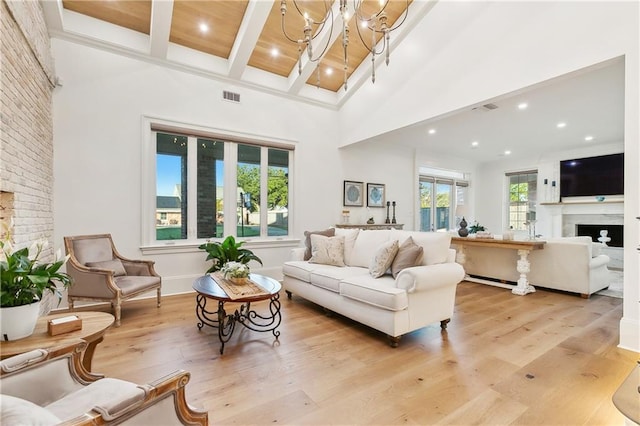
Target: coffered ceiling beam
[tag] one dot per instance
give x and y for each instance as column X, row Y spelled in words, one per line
column 252, row 23
column 161, row 16
column 297, row 81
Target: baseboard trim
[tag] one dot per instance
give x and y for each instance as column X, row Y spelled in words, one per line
column 629, row 334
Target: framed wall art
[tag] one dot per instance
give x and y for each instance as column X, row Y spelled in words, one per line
column 353, row 193
column 375, row 195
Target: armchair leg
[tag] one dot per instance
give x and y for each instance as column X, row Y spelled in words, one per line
column 159, row 296
column 443, row 323
column 117, row 308
column 70, row 301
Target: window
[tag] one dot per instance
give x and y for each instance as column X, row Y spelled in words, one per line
column 522, row 198
column 208, row 186
column 441, row 195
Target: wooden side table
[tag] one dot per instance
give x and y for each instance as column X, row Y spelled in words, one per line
column 94, row 325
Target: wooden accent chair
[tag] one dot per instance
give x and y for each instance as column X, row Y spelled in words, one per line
column 52, row 387
column 100, row 273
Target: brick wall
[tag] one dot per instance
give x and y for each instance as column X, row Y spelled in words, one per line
column 26, row 136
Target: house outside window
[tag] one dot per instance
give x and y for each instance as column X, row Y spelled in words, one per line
column 522, row 195
column 210, row 187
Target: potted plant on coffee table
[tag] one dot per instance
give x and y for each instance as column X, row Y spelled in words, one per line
column 228, row 250
column 25, row 278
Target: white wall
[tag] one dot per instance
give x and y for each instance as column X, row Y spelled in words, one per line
column 97, row 143
column 496, row 48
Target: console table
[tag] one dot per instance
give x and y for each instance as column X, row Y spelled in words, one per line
column 371, row 227
column 522, row 266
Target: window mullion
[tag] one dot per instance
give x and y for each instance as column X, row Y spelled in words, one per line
column 230, row 188
column 192, row 187
column 264, row 191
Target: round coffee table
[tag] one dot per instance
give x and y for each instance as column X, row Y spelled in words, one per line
column 207, row 288
column 94, row 325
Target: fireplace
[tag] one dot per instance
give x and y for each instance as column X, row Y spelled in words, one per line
column 615, row 232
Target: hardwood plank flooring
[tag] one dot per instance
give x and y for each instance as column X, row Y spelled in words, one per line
column 543, row 359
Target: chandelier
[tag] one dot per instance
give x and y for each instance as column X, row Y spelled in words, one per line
column 373, row 24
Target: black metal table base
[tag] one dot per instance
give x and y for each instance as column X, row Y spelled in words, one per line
column 226, row 323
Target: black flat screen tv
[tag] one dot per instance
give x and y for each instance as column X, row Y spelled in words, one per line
column 592, row 176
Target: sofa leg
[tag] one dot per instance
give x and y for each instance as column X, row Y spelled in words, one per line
column 327, row 312
column 394, row 341
column 443, row 323
column 288, row 294
column 585, row 295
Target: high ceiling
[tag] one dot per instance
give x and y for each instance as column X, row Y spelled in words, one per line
column 237, row 48
column 241, row 33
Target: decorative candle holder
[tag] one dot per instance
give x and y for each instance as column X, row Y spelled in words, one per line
column 394, row 212
column 387, row 219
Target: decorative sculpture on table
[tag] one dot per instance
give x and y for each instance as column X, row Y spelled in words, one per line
column 463, row 231
column 393, row 203
column 387, row 219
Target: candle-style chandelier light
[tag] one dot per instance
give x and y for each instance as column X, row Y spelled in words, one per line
column 374, row 22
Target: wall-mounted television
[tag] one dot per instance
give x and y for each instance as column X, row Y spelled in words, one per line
column 592, row 176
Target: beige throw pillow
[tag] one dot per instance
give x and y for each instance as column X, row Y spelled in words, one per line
column 383, row 258
column 327, row 250
column 330, row 232
column 409, row 254
column 114, row 264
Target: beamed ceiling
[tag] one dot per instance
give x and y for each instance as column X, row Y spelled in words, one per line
column 242, row 35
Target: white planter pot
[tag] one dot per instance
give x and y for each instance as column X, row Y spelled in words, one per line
column 19, row 321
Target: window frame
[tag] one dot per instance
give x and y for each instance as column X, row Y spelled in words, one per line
column 150, row 127
column 455, row 179
column 529, row 202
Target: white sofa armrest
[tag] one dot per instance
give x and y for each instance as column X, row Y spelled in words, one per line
column 421, row 278
column 297, row 253
column 451, row 256
column 599, row 261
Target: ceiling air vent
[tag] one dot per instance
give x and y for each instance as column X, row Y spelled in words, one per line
column 485, row 107
column 231, row 96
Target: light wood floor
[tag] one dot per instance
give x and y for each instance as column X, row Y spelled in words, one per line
column 546, row 358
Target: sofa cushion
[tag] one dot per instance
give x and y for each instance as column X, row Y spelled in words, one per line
column 307, row 239
column 18, row 411
column 299, row 269
column 381, row 261
column 99, row 393
column 409, row 254
column 327, row 250
column 379, row 292
column 366, row 245
column 350, row 236
column 435, row 245
column 114, row 265
column 329, row 277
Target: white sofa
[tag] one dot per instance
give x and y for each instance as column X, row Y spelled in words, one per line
column 418, row 296
column 571, row 264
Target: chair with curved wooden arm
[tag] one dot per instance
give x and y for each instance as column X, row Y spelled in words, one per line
column 100, row 273
column 50, row 386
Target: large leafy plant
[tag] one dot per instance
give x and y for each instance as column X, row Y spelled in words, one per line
column 227, row 251
column 24, row 277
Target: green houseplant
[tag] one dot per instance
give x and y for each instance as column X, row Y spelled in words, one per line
column 475, row 228
column 25, row 278
column 228, row 250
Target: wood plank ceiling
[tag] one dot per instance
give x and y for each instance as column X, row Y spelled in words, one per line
column 224, row 19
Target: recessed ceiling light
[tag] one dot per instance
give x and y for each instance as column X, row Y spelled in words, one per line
column 475, row 144
column 588, row 138
column 561, row 125
column 507, row 152
column 328, row 71
column 275, row 52
column 432, row 131
column 204, row 28
column 523, row 105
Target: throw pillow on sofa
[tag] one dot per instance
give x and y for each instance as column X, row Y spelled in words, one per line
column 350, row 236
column 409, row 255
column 330, row 232
column 383, row 258
column 327, row 250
